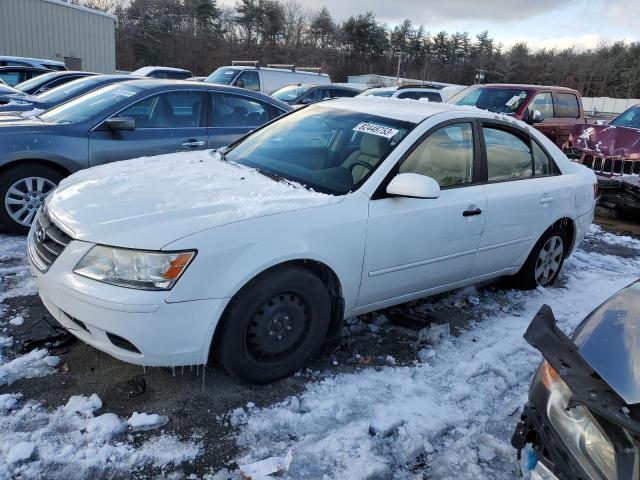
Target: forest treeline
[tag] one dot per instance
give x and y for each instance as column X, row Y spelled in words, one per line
column 201, row 36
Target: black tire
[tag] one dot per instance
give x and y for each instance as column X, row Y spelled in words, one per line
column 14, row 174
column 526, row 278
column 274, row 325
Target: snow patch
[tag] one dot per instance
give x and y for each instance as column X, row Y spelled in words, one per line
column 145, row 421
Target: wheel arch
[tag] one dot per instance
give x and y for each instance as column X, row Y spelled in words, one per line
column 327, row 275
column 35, row 161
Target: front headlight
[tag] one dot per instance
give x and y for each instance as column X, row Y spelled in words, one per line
column 578, row 429
column 134, row 268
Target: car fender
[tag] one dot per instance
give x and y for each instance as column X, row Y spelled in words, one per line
column 231, row 255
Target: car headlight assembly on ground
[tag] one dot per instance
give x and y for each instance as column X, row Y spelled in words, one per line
column 578, row 429
column 140, row 269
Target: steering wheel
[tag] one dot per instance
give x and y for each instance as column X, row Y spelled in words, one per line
column 362, row 163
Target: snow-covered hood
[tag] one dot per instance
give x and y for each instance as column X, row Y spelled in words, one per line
column 151, row 201
column 609, row 340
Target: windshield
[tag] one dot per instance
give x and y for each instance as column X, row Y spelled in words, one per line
column 7, row 89
column 290, row 93
column 630, row 118
column 35, row 82
column 498, row 100
column 90, row 104
column 377, row 93
column 330, row 150
column 62, row 92
column 223, row 75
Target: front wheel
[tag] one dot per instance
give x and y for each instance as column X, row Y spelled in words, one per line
column 273, row 325
column 23, row 189
column 545, row 260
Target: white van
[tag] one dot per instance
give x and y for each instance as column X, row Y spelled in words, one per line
column 268, row 79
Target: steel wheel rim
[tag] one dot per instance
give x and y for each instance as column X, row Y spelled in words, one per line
column 278, row 327
column 549, row 260
column 25, row 196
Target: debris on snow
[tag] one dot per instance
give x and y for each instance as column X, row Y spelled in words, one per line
column 9, row 401
column 434, row 334
column 264, row 468
column 36, row 363
column 144, row 421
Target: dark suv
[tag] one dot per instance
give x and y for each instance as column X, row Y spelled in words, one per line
column 552, row 110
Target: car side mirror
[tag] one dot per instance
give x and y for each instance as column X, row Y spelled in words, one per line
column 120, row 123
column 535, row 116
column 413, row 185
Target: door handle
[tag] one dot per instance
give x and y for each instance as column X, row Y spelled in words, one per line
column 470, row 213
column 193, row 143
column 545, row 200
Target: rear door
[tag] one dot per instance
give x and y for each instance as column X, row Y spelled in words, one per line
column 231, row 116
column 165, row 123
column 524, row 189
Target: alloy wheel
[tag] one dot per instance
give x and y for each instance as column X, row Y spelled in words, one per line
column 549, row 260
column 25, row 196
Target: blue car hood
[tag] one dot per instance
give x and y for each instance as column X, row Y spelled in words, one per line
column 609, row 340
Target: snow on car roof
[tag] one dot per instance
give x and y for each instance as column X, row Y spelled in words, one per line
column 147, row 70
column 400, row 109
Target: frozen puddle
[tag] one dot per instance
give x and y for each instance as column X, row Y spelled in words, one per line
column 449, row 416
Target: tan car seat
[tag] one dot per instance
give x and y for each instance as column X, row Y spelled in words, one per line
column 372, row 148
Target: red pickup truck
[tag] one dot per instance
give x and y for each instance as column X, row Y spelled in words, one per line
column 552, row 110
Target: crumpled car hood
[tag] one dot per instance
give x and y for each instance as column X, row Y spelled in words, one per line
column 607, row 141
column 609, row 340
column 152, row 201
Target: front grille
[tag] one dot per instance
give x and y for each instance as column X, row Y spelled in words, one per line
column 48, row 241
column 588, row 161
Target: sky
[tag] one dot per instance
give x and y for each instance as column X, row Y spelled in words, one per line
column 540, row 23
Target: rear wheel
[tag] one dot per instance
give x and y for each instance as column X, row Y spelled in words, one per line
column 545, row 260
column 273, row 325
column 23, row 189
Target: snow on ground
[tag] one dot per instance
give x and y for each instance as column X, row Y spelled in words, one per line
column 75, row 441
column 15, row 276
column 449, row 416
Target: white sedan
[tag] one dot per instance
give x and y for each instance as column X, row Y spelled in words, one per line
column 352, row 205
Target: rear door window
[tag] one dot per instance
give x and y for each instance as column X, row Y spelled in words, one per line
column 237, row 111
column 567, row 105
column 509, row 156
column 431, row 96
column 411, row 95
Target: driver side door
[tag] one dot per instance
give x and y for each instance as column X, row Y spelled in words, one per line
column 416, row 246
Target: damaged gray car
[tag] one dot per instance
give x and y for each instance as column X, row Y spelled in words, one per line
column 582, row 420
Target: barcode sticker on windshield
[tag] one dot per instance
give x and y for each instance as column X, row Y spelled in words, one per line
column 372, row 128
column 513, row 101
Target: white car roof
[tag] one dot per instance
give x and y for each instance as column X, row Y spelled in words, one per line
column 147, row 70
column 399, row 109
column 280, row 70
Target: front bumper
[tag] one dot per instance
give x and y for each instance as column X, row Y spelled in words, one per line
column 135, row 326
column 533, row 434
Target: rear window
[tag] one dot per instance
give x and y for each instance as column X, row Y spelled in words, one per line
column 498, row 100
column 567, row 105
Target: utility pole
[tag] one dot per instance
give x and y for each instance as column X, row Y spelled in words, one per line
column 399, row 55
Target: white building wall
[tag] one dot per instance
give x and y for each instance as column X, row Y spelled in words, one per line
column 55, row 29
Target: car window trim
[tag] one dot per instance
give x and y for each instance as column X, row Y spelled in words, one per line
column 501, row 125
column 381, row 191
column 207, row 90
